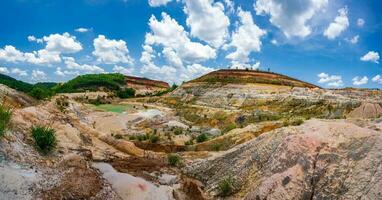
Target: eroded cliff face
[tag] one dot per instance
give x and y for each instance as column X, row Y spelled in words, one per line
column 317, row 160
column 146, row 86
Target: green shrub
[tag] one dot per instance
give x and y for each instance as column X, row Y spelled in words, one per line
column 173, row 159
column 40, row 93
column 125, row 93
column 142, row 137
column 5, row 118
column 154, row 138
column 45, row 138
column 132, row 137
column 62, row 103
column 226, row 186
column 189, row 142
column 178, row 131
column 202, row 138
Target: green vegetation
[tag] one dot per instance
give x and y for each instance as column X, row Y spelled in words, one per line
column 202, row 138
column 92, row 82
column 5, row 118
column 125, row 93
column 178, row 131
column 189, row 142
column 38, row 91
column 173, row 159
column 45, row 138
column 150, row 137
column 226, row 186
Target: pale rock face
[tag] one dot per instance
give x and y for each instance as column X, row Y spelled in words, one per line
column 319, row 160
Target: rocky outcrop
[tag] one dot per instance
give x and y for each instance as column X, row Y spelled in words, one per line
column 144, row 85
column 15, row 98
column 318, row 160
column 366, row 111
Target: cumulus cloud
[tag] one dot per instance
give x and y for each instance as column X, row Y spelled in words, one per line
column 56, row 44
column 62, row 43
column 360, row 22
column 111, row 51
column 38, row 75
column 245, row 39
column 4, row 70
column 82, row 30
column 353, row 40
column 207, row 21
column 71, row 64
column 330, row 80
column 168, row 34
column 157, row 3
column 360, row 81
column 19, row 72
column 60, row 72
column 32, row 38
column 239, row 65
column 371, row 56
column 123, row 70
column 340, row 24
column 291, row 16
column 377, row 79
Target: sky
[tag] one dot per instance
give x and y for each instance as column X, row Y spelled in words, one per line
column 331, row 43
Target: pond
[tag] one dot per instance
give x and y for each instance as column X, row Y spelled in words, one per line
column 116, row 108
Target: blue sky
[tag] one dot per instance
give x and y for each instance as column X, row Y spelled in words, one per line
column 330, row 43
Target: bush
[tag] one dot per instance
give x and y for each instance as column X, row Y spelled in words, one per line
column 226, row 186
column 178, row 131
column 154, row 138
column 293, row 122
column 132, row 137
column 173, row 159
column 5, row 118
column 40, row 93
column 45, row 138
column 125, row 93
column 189, row 142
column 202, row 138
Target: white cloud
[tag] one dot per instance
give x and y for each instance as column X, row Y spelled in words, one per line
column 360, row 22
column 291, row 16
column 19, row 72
column 123, row 70
column 360, row 81
column 38, row 75
column 239, row 65
column 62, row 43
column 330, row 80
column 245, row 39
column 230, row 6
column 82, row 30
column 157, row 3
column 111, row 51
column 60, row 72
column 377, row 79
column 207, row 21
column 340, row 24
column 73, row 65
column 11, row 54
column 371, row 56
column 4, row 70
column 172, row 37
column 32, row 38
column 353, row 40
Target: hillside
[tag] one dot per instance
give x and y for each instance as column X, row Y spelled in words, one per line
column 251, row 76
column 144, row 85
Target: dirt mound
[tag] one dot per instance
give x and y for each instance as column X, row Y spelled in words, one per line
column 14, row 98
column 318, row 160
column 366, row 111
column 251, row 76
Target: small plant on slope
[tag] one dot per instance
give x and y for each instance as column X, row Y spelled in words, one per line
column 5, row 118
column 45, row 138
column 226, row 186
column 173, row 159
